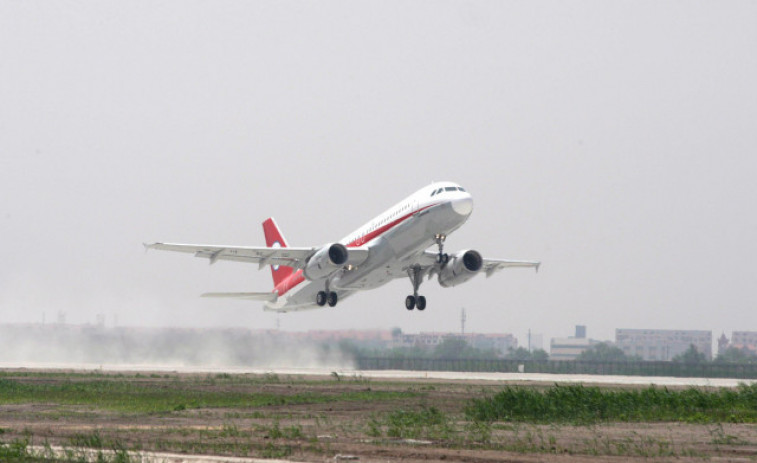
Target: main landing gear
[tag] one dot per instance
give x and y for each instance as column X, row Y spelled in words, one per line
column 324, row 297
column 415, row 301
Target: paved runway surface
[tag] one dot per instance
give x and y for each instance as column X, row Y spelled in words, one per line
column 399, row 374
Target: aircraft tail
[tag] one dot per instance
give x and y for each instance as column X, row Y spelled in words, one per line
column 274, row 239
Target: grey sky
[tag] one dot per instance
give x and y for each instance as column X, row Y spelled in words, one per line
column 614, row 141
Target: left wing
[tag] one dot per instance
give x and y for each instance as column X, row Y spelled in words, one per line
column 261, row 255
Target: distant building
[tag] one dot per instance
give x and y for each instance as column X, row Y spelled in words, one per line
column 662, row 344
column 570, row 348
column 746, row 340
column 501, row 343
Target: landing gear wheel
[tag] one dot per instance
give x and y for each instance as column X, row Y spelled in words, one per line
column 332, row 299
column 410, row 302
column 420, row 302
column 320, row 298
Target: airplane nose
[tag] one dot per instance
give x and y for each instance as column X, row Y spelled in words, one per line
column 463, row 206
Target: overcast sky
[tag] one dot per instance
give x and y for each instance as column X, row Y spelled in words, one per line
column 614, row 141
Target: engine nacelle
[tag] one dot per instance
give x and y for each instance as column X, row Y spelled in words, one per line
column 461, row 267
column 326, row 261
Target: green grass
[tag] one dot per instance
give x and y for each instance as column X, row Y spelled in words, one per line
column 580, row 404
column 411, row 424
column 19, row 451
column 164, row 396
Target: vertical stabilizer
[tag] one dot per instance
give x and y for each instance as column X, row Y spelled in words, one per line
column 274, row 239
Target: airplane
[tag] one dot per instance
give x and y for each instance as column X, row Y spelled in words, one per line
column 393, row 245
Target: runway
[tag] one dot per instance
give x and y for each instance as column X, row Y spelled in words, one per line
column 482, row 377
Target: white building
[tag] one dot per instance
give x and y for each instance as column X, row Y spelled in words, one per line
column 662, row 344
column 569, row 348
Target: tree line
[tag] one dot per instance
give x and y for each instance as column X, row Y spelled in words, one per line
column 456, row 348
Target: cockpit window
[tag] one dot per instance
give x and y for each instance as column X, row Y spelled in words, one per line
column 433, row 193
column 450, row 188
column 439, row 190
column 461, row 188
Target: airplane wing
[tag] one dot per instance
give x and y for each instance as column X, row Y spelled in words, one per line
column 266, row 297
column 261, row 255
column 290, row 257
column 428, row 263
column 494, row 265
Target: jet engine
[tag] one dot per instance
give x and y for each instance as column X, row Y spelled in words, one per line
column 326, row 261
column 461, row 267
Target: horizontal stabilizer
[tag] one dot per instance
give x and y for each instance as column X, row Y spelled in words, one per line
column 267, row 297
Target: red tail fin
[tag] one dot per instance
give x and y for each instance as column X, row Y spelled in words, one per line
column 274, row 239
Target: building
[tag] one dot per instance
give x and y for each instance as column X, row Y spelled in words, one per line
column 570, row 348
column 662, row 344
column 746, row 340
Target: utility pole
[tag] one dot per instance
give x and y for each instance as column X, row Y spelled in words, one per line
column 462, row 321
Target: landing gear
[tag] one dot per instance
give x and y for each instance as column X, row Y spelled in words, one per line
column 332, row 299
column 323, row 298
column 415, row 301
column 441, row 258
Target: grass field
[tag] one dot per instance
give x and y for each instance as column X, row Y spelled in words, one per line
column 316, row 419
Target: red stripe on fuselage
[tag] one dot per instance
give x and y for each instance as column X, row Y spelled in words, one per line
column 298, row 277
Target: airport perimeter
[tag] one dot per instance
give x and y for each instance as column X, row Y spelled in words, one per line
column 139, row 413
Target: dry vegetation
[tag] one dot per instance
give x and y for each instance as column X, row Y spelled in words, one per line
column 315, row 419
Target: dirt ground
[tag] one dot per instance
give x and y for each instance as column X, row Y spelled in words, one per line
column 363, row 429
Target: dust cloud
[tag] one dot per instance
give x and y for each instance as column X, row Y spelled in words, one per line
column 31, row 345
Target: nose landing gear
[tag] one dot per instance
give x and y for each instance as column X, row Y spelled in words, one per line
column 441, row 258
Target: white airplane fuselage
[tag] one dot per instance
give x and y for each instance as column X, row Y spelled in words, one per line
column 394, row 239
